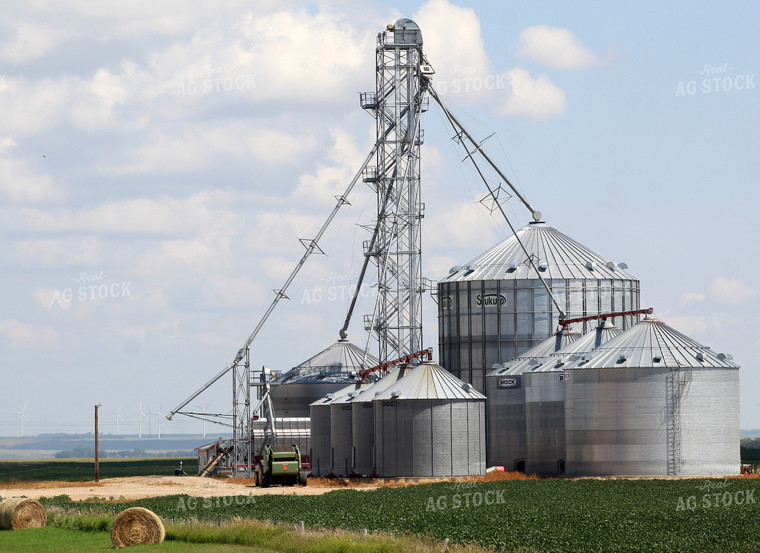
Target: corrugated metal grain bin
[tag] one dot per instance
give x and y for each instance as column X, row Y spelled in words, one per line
column 506, row 431
column 495, row 307
column 363, row 421
column 544, row 387
column 429, row 423
column 326, row 372
column 321, row 446
column 341, row 434
column 652, row 401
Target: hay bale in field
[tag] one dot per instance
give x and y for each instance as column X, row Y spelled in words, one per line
column 17, row 513
column 137, row 526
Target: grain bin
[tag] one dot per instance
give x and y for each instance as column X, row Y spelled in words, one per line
column 326, row 372
column 652, row 401
column 494, row 307
column 321, row 448
column 341, row 434
column 363, row 421
column 506, row 402
column 429, row 423
column 544, row 387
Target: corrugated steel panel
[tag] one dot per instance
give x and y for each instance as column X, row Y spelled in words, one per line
column 652, row 343
column 534, row 357
column 363, row 422
column 429, row 381
column 563, row 256
column 341, row 362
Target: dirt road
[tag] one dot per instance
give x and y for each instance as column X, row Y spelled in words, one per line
column 150, row 486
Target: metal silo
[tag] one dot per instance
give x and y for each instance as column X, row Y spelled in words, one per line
column 506, row 402
column 341, row 435
column 652, row 401
column 430, row 423
column 544, row 387
column 363, row 421
column 326, row 372
column 321, row 448
column 494, row 307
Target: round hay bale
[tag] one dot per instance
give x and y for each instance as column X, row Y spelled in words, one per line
column 137, row 526
column 17, row 513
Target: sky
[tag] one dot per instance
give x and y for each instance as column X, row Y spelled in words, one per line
column 160, row 160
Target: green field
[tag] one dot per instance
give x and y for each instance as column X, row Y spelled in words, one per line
column 534, row 515
column 84, row 469
column 63, row 540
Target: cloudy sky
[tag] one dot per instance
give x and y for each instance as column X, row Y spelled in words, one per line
column 159, row 160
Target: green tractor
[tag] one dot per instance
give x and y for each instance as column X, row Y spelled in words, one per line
column 280, row 465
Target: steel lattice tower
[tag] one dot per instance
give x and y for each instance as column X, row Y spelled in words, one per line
column 397, row 250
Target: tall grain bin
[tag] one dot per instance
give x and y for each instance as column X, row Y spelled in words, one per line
column 652, row 401
column 544, row 387
column 326, row 372
column 430, row 423
column 494, row 307
column 506, row 402
column 321, row 447
column 341, row 434
column 363, row 420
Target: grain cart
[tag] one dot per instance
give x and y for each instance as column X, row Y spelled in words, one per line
column 280, row 465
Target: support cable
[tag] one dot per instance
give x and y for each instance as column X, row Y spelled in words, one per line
column 536, row 214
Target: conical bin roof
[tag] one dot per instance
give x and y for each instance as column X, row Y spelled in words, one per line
column 430, row 381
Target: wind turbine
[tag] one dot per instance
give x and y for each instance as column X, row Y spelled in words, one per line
column 23, row 417
column 158, row 414
column 118, row 417
column 204, row 414
column 150, row 420
column 140, row 417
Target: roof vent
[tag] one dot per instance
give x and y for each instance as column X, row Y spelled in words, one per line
column 543, row 266
column 590, row 265
column 623, row 266
column 558, row 365
column 395, row 393
column 574, row 357
column 467, row 386
column 352, row 395
column 511, row 268
column 700, row 357
column 533, row 362
column 622, row 358
column 330, row 396
column 657, row 359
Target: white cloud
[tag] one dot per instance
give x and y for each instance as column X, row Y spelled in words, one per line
column 537, row 98
column 460, row 226
column 19, row 183
column 688, row 325
column 731, row 290
column 437, row 267
column 691, row 297
column 31, row 41
column 55, row 252
column 135, row 215
column 452, row 42
column 331, row 180
column 22, row 334
column 555, row 48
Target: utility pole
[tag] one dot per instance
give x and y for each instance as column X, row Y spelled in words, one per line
column 97, row 465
